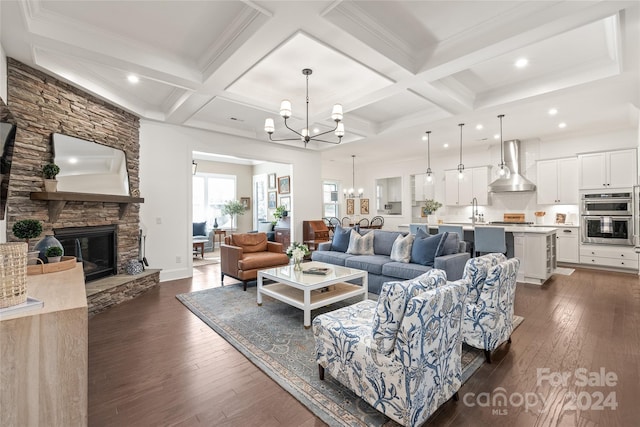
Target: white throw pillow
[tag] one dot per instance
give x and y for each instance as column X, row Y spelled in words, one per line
column 360, row 245
column 401, row 249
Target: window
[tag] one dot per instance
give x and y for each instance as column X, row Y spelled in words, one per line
column 210, row 192
column 331, row 207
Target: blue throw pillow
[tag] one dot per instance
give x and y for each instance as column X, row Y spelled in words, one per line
column 200, row 228
column 340, row 241
column 425, row 249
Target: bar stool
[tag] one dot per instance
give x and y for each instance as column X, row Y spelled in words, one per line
column 452, row 229
column 413, row 228
column 489, row 239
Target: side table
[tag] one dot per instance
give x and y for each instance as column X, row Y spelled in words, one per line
column 220, row 234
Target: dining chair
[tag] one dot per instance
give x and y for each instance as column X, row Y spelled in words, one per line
column 364, row 223
column 376, row 222
column 489, row 239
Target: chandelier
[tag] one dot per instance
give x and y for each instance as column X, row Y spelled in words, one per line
column 350, row 194
column 304, row 134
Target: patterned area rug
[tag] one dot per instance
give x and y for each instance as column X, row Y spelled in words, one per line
column 273, row 338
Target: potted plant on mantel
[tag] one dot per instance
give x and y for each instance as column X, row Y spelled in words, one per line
column 50, row 171
column 233, row 208
column 28, row 229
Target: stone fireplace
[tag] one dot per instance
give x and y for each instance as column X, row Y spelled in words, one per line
column 41, row 106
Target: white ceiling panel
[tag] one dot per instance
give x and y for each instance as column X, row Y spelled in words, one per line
column 184, row 28
column 395, row 108
column 336, row 78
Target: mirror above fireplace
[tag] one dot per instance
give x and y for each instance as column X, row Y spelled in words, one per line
column 89, row 167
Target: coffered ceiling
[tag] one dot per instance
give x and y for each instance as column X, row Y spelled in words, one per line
column 399, row 68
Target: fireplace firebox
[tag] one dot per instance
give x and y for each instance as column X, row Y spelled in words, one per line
column 96, row 247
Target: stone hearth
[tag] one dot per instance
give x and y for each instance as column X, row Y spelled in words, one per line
column 113, row 290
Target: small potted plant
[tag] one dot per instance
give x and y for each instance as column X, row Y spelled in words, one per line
column 279, row 213
column 53, row 254
column 28, row 229
column 50, row 171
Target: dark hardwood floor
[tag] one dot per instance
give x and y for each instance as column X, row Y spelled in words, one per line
column 152, row 362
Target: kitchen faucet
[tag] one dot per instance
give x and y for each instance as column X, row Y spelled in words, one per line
column 474, row 211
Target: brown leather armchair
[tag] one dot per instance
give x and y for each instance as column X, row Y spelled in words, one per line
column 242, row 255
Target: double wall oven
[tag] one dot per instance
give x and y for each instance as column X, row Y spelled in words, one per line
column 607, row 218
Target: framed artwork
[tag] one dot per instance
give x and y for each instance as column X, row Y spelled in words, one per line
column 284, row 185
column 246, row 202
column 364, row 206
column 272, row 181
column 286, row 202
column 560, row 218
column 272, row 200
column 350, row 206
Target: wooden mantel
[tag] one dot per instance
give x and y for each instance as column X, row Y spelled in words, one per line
column 58, row 199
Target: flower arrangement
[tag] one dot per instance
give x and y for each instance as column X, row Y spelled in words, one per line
column 297, row 251
column 430, row 206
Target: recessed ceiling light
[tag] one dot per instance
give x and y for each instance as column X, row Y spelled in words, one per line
column 479, row 126
column 553, row 111
column 73, row 160
column 562, row 125
column 316, row 130
column 133, row 78
column 424, row 137
column 522, row 62
column 446, row 145
column 496, row 136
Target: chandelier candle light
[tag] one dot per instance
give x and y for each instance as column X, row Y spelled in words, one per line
column 285, row 112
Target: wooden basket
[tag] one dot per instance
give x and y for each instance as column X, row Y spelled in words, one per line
column 13, row 274
column 66, row 263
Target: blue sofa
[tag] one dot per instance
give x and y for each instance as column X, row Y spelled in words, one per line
column 382, row 269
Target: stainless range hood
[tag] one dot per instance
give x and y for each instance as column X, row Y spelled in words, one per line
column 515, row 182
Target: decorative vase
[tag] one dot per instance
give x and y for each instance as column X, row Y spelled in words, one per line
column 51, row 185
column 215, row 222
column 45, row 243
column 297, row 264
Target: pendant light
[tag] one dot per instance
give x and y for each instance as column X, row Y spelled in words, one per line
column 503, row 169
column 429, row 173
column 460, row 165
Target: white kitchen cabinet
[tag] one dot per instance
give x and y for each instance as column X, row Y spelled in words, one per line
column 609, row 256
column 537, row 254
column 610, row 169
column 460, row 192
column 568, row 244
column 558, row 182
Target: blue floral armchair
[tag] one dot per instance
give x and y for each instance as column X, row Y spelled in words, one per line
column 488, row 314
column 401, row 354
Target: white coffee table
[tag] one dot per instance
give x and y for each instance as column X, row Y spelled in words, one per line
column 309, row 291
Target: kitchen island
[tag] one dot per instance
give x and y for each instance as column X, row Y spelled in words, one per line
column 534, row 246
